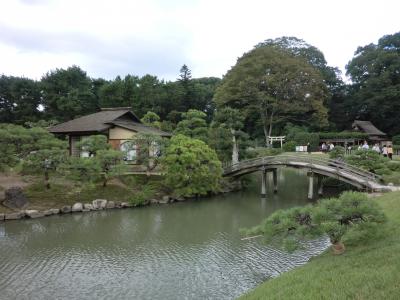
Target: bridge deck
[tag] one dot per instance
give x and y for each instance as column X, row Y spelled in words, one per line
column 326, row 167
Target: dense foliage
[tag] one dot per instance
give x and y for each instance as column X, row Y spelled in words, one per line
column 337, row 153
column 332, row 217
column 343, row 135
column 18, row 143
column 64, row 94
column 396, row 140
column 272, row 87
column 193, row 125
column 254, row 86
column 375, row 89
column 367, row 159
column 373, row 162
column 191, row 167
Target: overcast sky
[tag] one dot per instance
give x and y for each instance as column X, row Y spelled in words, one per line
column 119, row 37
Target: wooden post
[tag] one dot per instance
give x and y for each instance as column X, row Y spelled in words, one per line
column 320, row 186
column 275, row 179
column 310, row 185
column 263, row 182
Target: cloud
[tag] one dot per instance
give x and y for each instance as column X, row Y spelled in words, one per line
column 109, row 38
column 104, row 58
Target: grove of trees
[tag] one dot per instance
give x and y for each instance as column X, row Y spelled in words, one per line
column 282, row 86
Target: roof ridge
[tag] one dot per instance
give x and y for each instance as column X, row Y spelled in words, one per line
column 115, row 108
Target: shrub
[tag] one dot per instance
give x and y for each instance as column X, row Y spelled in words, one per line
column 343, row 135
column 367, row 159
column 289, row 146
column 383, row 171
column 393, row 165
column 142, row 196
column 333, row 217
column 337, row 153
column 286, row 227
column 191, row 167
column 392, row 178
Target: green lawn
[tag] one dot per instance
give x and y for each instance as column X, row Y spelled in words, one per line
column 367, row 271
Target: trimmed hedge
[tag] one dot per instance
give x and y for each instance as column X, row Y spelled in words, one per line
column 343, row 135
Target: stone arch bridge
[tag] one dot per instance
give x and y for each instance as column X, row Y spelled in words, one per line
column 318, row 167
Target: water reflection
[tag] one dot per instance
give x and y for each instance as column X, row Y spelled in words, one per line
column 187, row 250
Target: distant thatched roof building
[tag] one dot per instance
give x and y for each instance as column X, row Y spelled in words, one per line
column 374, row 134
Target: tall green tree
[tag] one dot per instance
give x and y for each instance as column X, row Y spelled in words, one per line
column 68, row 94
column 185, row 79
column 19, row 100
column 375, row 76
column 119, row 92
column 151, row 119
column 193, row 125
column 338, row 116
column 232, row 120
column 275, row 87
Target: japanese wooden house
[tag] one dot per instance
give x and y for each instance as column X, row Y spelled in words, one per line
column 119, row 125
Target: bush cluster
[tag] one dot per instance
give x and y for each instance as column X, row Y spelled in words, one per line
column 337, row 153
column 371, row 161
column 331, row 217
column 343, row 135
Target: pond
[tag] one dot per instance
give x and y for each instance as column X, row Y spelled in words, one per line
column 189, row 250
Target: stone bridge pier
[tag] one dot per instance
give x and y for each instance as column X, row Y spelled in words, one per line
column 264, row 180
column 310, row 174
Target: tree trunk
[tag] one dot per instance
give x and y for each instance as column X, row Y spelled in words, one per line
column 338, row 248
column 270, row 128
column 46, row 178
column 264, row 118
column 235, row 148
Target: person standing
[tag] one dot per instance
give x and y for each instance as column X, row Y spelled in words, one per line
column 308, row 148
column 365, row 146
column 376, row 148
column 323, row 147
column 390, row 151
column 385, row 151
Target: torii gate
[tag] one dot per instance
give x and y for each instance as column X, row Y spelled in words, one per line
column 272, row 139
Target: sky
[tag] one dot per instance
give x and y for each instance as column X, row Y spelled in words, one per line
column 120, row 37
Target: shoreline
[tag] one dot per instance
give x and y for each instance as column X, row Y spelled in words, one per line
column 98, row 204
column 373, row 264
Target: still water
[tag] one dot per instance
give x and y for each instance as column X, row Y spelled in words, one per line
column 190, row 250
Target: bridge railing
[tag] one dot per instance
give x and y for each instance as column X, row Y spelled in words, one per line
column 303, row 158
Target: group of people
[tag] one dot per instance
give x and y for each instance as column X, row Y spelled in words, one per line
column 386, row 151
column 327, row 147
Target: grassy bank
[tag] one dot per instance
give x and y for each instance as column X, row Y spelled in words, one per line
column 131, row 188
column 370, row 270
